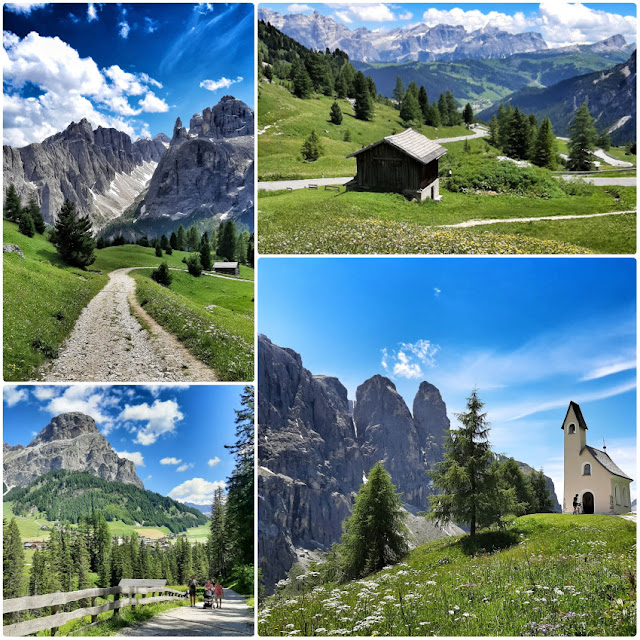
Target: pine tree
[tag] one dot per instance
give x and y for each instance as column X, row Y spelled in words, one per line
column 604, row 140
column 12, row 204
column 240, row 484
column 227, row 240
column 363, row 107
column 302, row 85
column 73, row 237
column 36, row 215
column 423, row 101
column 335, row 115
column 544, row 150
column 443, row 110
column 455, row 116
column 540, row 497
column 518, row 141
column 12, row 560
column 582, row 140
column 510, row 476
column 218, row 541
column 470, row 491
column 504, row 125
column 433, row 119
column 180, row 246
column 373, row 93
column 312, row 149
column 192, row 241
column 398, row 91
column 413, row 90
column 494, row 132
column 164, row 242
column 250, row 251
column 467, row 114
column 341, row 87
column 162, row 275
column 158, row 251
column 25, row 224
column 410, row 113
column 374, row 534
column 205, row 253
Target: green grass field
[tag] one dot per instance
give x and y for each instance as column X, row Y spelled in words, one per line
column 42, row 299
column 221, row 337
column 545, row 575
column 198, row 534
column 290, row 121
column 308, row 221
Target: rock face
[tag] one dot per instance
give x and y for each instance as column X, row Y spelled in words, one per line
column 70, row 441
column 82, row 164
column 207, row 171
column 417, row 43
column 314, row 451
column 12, row 248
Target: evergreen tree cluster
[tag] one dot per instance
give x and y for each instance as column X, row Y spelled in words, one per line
column 29, row 217
column 416, row 110
column 66, row 495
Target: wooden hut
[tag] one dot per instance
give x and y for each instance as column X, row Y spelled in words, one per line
column 404, row 163
column 228, row 268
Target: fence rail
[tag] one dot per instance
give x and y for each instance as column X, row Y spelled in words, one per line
column 122, row 597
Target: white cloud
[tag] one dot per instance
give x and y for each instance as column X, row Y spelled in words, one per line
column 405, row 16
column 409, row 359
column 94, row 401
column 298, row 8
column 171, row 461
column 161, row 418
column 436, row 291
column 214, row 461
column 197, row 490
column 152, row 104
column 135, row 456
column 12, row 395
column 148, row 477
column 185, row 467
column 609, row 369
column 222, row 83
column 474, row 19
column 124, row 29
column 71, row 88
column 24, row 7
column 372, row 12
column 92, row 12
column 344, row 16
column 45, row 393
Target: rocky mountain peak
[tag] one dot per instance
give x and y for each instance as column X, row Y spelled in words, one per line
column 230, row 118
column 65, row 427
column 430, row 416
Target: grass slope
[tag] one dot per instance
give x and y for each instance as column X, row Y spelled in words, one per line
column 290, row 121
column 545, row 575
column 221, row 337
column 42, row 299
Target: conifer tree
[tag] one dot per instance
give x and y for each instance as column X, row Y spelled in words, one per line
column 36, row 215
column 193, row 239
column 218, row 536
column 335, row 115
column 582, row 140
column 312, row 148
column 410, row 113
column 469, row 484
column 250, row 251
column 604, row 140
column 467, row 114
column 12, row 204
column 363, row 105
column 73, row 237
column 341, row 87
column 510, row 476
column 443, row 110
column 518, row 141
column 227, row 238
column 180, row 245
column 302, row 85
column 25, row 224
column 12, row 560
column 205, row 253
column 373, row 93
column 164, row 242
column 434, row 116
column 494, row 132
column 173, row 240
column 398, row 91
column 423, row 101
column 452, row 109
column 374, row 534
column 544, row 149
column 413, row 89
column 540, row 497
column 158, row 251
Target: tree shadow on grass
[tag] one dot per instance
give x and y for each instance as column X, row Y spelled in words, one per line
column 488, row 541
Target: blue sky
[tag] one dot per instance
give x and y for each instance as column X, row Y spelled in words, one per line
column 136, row 67
column 531, row 334
column 174, row 434
column 560, row 23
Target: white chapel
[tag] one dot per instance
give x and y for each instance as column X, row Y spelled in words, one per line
column 601, row 486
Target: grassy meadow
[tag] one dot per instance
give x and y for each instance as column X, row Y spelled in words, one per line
column 286, row 122
column 544, row 575
column 43, row 298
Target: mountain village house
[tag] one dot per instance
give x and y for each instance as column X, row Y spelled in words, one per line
column 601, row 486
column 405, row 163
column 230, row 268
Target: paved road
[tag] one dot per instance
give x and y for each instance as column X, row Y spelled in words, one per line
column 604, row 182
column 479, row 223
column 303, row 184
column 235, row 618
column 614, row 162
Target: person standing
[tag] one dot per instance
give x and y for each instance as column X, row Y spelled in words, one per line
column 218, row 594
column 192, row 584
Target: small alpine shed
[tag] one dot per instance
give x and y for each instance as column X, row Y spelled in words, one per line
column 405, row 163
column 230, row 268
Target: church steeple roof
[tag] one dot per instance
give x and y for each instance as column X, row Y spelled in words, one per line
column 576, row 409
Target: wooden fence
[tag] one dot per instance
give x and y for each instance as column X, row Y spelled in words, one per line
column 122, row 597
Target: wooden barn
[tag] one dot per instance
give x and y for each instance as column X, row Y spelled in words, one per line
column 404, row 163
column 228, row 268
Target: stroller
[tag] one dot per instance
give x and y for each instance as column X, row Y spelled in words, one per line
column 208, row 599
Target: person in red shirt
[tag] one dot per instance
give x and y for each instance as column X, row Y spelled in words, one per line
column 218, row 594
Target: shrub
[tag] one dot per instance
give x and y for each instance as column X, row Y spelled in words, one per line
column 312, row 148
column 158, row 251
column 194, row 266
column 162, row 275
column 347, row 136
column 169, row 250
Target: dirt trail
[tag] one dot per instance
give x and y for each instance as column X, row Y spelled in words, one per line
column 558, row 218
column 109, row 343
column 235, row 618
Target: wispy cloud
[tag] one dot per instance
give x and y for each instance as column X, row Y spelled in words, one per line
column 171, row 461
column 24, row 7
column 609, row 369
column 186, row 467
column 12, row 394
column 92, row 12
column 222, row 83
column 135, row 456
column 214, row 461
column 408, row 360
column 298, row 8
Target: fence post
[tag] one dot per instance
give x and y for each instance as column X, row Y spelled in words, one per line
column 116, row 598
column 132, row 600
column 93, row 604
column 54, row 609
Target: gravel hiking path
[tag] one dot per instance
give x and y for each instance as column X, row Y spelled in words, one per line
column 604, row 182
column 235, row 618
column 479, row 223
column 109, row 343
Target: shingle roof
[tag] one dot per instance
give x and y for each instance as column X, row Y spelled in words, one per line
column 412, row 143
column 578, row 412
column 604, row 459
column 225, row 265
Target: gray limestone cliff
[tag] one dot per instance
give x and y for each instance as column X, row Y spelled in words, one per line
column 101, row 171
column 70, row 441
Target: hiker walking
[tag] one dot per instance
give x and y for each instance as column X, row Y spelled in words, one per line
column 193, row 583
column 218, row 594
